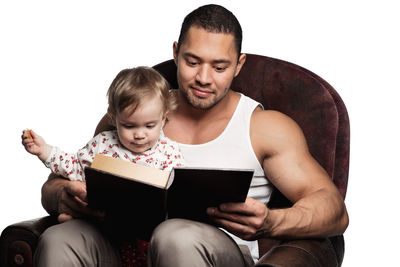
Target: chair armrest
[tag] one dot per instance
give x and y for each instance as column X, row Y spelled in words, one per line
column 305, row 253
column 18, row 241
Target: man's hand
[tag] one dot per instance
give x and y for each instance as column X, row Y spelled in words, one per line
column 246, row 220
column 72, row 203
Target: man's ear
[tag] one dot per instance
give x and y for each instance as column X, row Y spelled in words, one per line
column 175, row 52
column 241, row 61
column 164, row 119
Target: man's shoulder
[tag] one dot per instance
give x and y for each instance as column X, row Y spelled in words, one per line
column 271, row 127
column 274, row 118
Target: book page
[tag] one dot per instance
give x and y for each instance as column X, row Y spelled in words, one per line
column 131, row 170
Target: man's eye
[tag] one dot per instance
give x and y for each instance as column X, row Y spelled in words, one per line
column 191, row 63
column 220, row 69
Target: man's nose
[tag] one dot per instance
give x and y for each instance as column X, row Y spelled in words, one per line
column 204, row 75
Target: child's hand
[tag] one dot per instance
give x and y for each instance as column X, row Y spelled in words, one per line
column 35, row 144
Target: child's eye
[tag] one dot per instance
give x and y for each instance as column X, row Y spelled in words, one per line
column 150, row 126
column 127, row 126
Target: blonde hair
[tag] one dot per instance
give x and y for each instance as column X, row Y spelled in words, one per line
column 133, row 86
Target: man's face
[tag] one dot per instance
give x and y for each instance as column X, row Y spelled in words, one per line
column 207, row 62
column 139, row 131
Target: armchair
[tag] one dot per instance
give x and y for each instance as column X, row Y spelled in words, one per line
column 278, row 85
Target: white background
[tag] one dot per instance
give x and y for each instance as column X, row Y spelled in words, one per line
column 57, row 59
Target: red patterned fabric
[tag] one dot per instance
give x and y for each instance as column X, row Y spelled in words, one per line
column 134, row 254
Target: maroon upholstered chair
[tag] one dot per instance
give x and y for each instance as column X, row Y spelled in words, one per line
column 278, row 85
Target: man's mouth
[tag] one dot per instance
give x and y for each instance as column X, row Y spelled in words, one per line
column 201, row 92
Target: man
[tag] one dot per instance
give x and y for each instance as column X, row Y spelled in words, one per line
column 220, row 128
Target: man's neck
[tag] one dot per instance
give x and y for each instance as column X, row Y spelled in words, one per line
column 194, row 126
column 220, row 109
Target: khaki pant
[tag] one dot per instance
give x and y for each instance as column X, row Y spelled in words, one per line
column 174, row 243
column 75, row 243
column 179, row 242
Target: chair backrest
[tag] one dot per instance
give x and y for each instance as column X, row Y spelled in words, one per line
column 303, row 96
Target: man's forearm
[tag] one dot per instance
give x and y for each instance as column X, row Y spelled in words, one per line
column 51, row 190
column 318, row 215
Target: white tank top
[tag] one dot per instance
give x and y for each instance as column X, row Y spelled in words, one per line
column 233, row 149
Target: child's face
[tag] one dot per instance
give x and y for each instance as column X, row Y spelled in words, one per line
column 140, row 130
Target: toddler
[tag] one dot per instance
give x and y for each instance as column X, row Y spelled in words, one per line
column 138, row 103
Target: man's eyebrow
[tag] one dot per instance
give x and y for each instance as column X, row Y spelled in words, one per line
column 222, row 61
column 216, row 61
column 188, row 54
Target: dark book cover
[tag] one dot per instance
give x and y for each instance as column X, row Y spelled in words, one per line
column 193, row 190
column 134, row 208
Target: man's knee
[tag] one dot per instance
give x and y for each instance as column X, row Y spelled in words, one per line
column 58, row 236
column 178, row 233
column 74, row 242
column 179, row 242
column 56, row 244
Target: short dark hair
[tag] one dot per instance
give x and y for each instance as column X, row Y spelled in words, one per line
column 213, row 18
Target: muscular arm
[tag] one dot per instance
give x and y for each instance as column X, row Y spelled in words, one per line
column 318, row 209
column 51, row 190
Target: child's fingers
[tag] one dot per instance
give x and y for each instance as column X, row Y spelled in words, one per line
column 28, row 144
column 34, row 135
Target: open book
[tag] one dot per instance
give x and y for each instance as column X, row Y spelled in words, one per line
column 137, row 198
